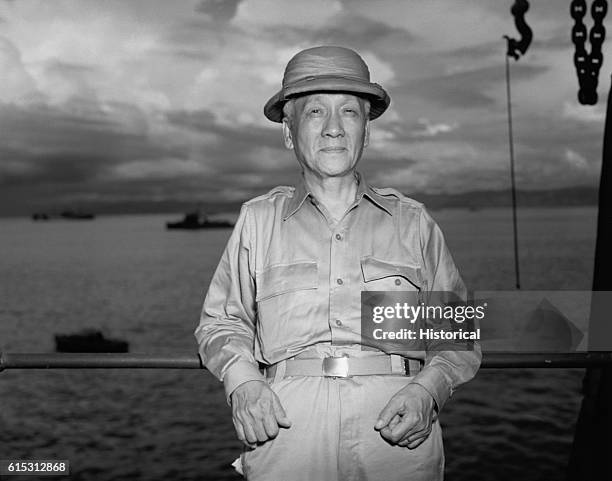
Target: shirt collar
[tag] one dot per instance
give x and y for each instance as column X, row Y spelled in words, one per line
column 365, row 190
column 302, row 192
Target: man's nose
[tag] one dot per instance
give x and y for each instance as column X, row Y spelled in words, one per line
column 333, row 126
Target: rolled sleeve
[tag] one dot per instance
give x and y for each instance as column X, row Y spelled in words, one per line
column 239, row 373
column 226, row 331
column 444, row 370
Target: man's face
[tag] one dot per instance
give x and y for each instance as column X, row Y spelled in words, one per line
column 327, row 133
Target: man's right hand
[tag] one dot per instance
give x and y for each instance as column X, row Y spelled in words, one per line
column 257, row 413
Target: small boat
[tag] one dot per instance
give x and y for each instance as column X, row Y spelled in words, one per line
column 89, row 340
column 195, row 220
column 75, row 215
column 40, row 216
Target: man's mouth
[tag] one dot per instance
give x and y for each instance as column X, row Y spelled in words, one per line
column 333, row 149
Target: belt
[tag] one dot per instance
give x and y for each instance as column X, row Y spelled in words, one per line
column 344, row 366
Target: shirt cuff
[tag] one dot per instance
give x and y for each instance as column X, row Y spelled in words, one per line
column 434, row 382
column 239, row 373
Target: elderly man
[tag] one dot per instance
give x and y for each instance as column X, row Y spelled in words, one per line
column 280, row 324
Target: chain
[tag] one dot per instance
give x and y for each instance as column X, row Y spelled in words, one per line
column 516, row 48
column 588, row 65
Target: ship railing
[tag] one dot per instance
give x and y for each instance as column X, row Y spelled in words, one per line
column 497, row 360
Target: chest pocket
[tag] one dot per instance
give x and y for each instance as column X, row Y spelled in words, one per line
column 284, row 278
column 379, row 275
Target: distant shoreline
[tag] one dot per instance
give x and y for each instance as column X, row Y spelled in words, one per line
column 232, row 215
column 483, row 199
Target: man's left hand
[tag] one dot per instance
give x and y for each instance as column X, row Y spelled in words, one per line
column 407, row 417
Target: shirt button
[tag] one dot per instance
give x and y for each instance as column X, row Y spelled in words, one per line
column 338, row 322
column 338, row 237
column 397, row 282
column 339, row 281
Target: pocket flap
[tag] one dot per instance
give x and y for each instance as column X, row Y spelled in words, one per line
column 374, row 269
column 281, row 278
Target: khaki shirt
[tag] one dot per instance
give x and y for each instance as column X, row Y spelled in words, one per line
column 290, row 279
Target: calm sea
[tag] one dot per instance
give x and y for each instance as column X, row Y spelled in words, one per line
column 135, row 280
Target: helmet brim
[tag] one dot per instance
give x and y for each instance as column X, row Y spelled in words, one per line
column 378, row 97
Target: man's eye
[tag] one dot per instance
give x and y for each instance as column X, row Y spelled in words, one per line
column 315, row 110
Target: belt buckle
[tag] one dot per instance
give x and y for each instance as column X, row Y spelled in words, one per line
column 336, row 366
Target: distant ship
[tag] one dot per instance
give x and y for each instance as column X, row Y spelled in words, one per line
column 88, row 340
column 67, row 214
column 75, row 215
column 195, row 220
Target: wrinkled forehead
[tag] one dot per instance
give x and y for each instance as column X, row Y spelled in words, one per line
column 329, row 98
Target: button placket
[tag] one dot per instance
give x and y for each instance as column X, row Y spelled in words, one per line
column 337, row 279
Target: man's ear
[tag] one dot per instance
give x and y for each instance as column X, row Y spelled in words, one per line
column 287, row 134
column 366, row 137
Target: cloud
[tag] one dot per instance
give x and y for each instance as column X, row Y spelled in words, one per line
column 584, row 113
column 70, row 147
column 440, row 25
column 354, row 31
column 467, row 88
column 431, row 130
column 166, row 169
column 476, row 52
column 18, row 86
column 218, row 10
column 163, row 100
column 234, row 130
column 238, row 148
column 358, row 32
column 575, row 160
column 263, row 14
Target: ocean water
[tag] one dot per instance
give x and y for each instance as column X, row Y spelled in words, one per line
column 135, row 280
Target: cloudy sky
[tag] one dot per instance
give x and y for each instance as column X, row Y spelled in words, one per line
column 129, row 101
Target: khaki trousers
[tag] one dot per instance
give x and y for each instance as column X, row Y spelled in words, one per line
column 332, row 437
